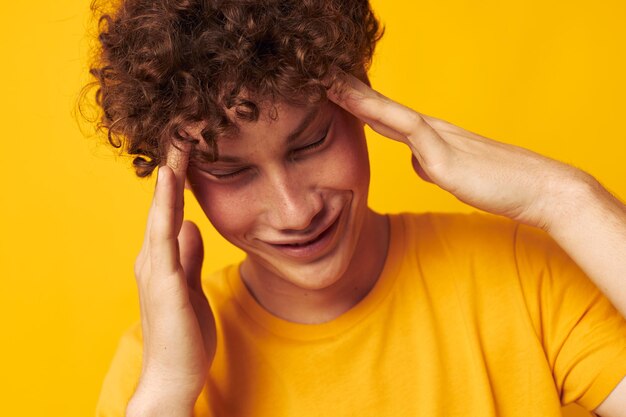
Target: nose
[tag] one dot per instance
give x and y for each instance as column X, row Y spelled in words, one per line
column 292, row 201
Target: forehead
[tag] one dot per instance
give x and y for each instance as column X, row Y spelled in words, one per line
column 285, row 116
column 279, row 117
column 282, row 121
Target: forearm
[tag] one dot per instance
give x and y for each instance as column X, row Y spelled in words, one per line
column 590, row 225
column 585, row 219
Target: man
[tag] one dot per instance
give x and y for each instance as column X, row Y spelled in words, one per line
column 337, row 309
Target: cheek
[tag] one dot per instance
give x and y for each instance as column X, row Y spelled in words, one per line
column 350, row 161
column 229, row 212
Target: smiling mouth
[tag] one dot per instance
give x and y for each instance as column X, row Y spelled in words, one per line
column 309, row 248
column 312, row 241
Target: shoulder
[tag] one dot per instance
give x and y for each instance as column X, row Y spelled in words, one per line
column 457, row 225
column 456, row 234
column 482, row 242
column 482, row 253
column 470, row 257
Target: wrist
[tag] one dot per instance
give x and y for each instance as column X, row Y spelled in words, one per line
column 567, row 198
column 138, row 408
column 147, row 402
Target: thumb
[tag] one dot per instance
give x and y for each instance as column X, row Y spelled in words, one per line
column 417, row 167
column 191, row 253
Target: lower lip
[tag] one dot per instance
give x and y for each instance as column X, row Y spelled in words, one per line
column 313, row 249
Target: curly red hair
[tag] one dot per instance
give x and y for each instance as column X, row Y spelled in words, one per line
column 166, row 64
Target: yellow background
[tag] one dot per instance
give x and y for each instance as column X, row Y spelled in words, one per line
column 545, row 75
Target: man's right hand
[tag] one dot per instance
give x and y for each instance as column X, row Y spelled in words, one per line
column 178, row 327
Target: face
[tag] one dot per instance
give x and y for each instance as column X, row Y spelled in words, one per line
column 291, row 192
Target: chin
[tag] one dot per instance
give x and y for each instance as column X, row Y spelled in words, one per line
column 328, row 271
column 315, row 278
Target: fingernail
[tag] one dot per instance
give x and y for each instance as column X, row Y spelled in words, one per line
column 159, row 179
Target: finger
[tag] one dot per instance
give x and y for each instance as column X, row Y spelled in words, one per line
column 144, row 253
column 358, row 99
column 163, row 231
column 177, row 159
column 367, row 104
column 388, row 117
column 191, row 254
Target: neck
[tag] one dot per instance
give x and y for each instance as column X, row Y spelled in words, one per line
column 313, row 306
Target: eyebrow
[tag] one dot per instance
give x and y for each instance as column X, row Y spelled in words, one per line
column 306, row 121
column 291, row 137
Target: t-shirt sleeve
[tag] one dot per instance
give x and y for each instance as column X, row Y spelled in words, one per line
column 583, row 335
column 121, row 380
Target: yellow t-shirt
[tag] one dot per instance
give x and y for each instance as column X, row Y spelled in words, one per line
column 472, row 315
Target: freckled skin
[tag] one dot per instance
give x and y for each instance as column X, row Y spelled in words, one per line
column 287, row 191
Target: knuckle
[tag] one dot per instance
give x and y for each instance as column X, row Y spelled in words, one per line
column 154, row 238
column 145, row 250
column 156, row 233
column 140, row 269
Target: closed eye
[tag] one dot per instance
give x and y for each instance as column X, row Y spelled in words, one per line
column 228, row 175
column 223, row 175
column 313, row 145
